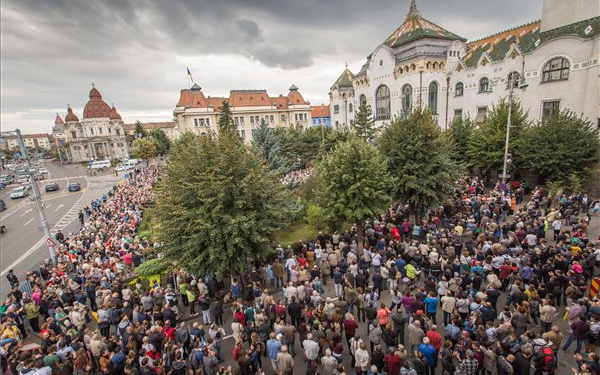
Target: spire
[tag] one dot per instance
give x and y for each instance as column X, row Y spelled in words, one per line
column 413, row 11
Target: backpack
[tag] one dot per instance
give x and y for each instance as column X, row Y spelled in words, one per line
column 197, row 359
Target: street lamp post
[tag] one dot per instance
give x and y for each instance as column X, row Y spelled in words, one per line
column 36, row 194
column 511, row 85
column 322, row 127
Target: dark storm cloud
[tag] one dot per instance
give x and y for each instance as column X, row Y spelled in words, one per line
column 52, row 50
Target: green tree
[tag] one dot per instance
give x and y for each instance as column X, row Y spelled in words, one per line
column 418, row 157
column 139, row 131
column 163, row 143
column 218, row 205
column 143, row 148
column 265, row 143
column 485, row 148
column 354, row 183
column 363, row 121
column 226, row 123
column 459, row 132
column 559, row 145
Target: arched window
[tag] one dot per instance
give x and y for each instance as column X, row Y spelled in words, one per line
column 484, row 85
column 406, row 98
column 442, row 65
column 428, row 65
column 435, row 65
column 459, row 89
column 362, row 98
column 513, row 78
column 413, row 67
column 556, row 69
column 382, row 103
column 433, row 97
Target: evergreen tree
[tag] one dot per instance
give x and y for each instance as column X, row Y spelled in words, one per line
column 459, row 132
column 143, row 148
column 418, row 157
column 163, row 144
column 485, row 149
column 264, row 142
column 560, row 145
column 363, row 121
column 218, row 205
column 353, row 183
column 226, row 123
column 139, row 131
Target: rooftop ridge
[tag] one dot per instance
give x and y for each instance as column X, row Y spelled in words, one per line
column 503, row 31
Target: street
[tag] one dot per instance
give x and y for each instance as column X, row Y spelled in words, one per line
column 23, row 245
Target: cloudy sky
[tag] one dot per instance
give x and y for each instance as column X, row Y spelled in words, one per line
column 137, row 51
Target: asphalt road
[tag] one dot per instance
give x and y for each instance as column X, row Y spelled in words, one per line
column 23, row 245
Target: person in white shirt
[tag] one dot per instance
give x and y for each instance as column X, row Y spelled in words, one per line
column 556, row 225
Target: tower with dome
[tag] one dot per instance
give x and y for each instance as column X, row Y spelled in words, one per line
column 99, row 135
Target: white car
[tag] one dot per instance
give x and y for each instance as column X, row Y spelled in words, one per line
column 20, row 192
column 43, row 170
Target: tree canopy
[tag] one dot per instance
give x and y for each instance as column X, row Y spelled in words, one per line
column 218, row 205
column 459, row 132
column 559, row 145
column 363, row 121
column 485, row 149
column 226, row 123
column 143, row 148
column 418, row 156
column 139, row 131
column 163, row 143
column 353, row 182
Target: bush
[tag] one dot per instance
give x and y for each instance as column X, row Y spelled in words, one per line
column 152, row 267
column 315, row 217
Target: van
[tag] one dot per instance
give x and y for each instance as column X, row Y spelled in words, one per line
column 100, row 164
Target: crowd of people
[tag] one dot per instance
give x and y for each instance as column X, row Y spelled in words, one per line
column 478, row 286
column 295, row 178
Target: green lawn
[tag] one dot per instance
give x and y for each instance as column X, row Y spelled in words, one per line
column 296, row 230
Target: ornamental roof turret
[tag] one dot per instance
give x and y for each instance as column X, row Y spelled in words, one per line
column 416, row 27
column 345, row 79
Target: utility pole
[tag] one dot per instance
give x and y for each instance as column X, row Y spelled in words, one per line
column 507, row 140
column 37, row 197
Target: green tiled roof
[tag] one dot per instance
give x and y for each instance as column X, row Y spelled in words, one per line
column 416, row 27
column 527, row 37
column 345, row 79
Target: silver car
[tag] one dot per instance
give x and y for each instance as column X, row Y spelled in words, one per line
column 20, row 192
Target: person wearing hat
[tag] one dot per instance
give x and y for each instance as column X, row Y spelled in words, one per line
column 468, row 365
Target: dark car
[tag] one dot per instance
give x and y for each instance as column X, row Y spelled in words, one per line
column 2, row 205
column 74, row 186
column 51, row 186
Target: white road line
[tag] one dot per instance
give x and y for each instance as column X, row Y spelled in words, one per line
column 26, row 212
column 48, row 205
column 29, row 221
column 41, row 241
column 59, row 207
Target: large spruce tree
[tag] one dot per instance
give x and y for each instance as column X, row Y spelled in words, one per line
column 363, row 121
column 226, row 123
column 218, row 205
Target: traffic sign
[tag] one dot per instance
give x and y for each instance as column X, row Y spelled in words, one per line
column 50, row 243
column 126, row 175
column 502, row 187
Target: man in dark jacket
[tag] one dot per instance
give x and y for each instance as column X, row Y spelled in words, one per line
column 399, row 320
column 295, row 311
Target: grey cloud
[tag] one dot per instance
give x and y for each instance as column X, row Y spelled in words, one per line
column 250, row 29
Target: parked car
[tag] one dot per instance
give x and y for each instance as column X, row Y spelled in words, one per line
column 38, row 176
column 2, row 205
column 23, row 179
column 74, row 186
column 51, row 186
column 7, row 179
column 2, row 186
column 20, row 192
column 43, row 170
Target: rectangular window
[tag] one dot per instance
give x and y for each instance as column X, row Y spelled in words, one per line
column 296, row 116
column 242, row 120
column 549, row 106
column 283, row 118
column 481, row 114
column 336, row 109
column 207, row 122
column 458, row 113
column 242, row 134
column 109, row 130
column 236, row 120
column 252, row 119
column 271, row 119
column 99, row 130
column 196, row 122
column 118, row 132
column 92, row 131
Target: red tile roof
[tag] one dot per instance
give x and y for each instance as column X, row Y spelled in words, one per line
column 194, row 98
column 58, row 120
column 96, row 107
column 320, row 111
column 151, row 125
column 71, row 116
column 249, row 98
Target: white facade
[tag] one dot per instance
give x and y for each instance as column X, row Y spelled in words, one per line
column 32, row 141
column 421, row 64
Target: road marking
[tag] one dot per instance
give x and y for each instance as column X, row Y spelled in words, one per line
column 59, row 207
column 29, row 221
column 26, row 212
column 42, row 240
column 48, row 205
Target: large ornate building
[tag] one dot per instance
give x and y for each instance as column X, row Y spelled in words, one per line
column 98, row 136
column 199, row 114
column 424, row 65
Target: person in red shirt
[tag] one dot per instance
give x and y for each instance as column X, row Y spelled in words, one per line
column 350, row 327
column 392, row 360
column 435, row 338
column 383, row 315
column 505, row 271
